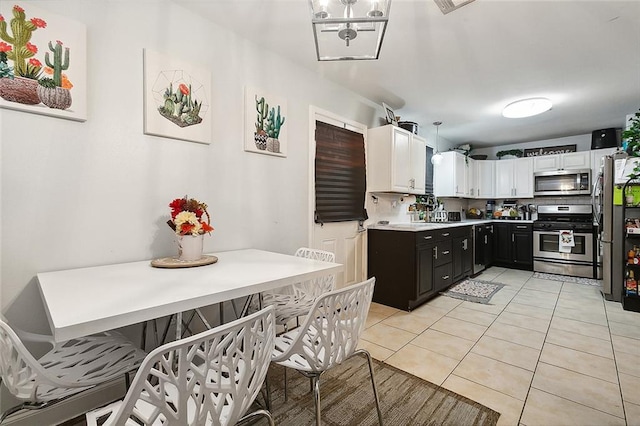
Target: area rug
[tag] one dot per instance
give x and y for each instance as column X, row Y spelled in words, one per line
column 346, row 399
column 474, row 290
column 565, row 278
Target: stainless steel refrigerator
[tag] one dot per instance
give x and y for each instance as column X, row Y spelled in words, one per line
column 611, row 236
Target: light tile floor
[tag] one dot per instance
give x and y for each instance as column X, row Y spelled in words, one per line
column 542, row 353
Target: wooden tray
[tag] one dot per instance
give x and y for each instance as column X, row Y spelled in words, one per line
column 174, row 262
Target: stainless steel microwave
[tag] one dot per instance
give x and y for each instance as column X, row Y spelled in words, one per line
column 562, row 182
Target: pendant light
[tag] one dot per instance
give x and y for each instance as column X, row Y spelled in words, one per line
column 436, row 158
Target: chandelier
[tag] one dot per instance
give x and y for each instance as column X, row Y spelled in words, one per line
column 349, row 29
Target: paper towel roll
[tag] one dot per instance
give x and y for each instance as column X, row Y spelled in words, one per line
column 408, row 199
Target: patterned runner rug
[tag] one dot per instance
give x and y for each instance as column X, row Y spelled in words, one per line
column 568, row 279
column 346, row 399
column 473, row 290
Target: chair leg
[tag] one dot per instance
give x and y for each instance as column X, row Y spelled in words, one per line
column 373, row 382
column 286, row 395
column 263, row 413
column 167, row 327
column 143, row 338
column 315, row 379
column 155, row 333
column 267, row 394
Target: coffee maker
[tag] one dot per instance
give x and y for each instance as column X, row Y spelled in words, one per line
column 490, row 208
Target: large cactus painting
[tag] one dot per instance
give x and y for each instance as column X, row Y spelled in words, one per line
column 176, row 99
column 42, row 62
column 265, row 123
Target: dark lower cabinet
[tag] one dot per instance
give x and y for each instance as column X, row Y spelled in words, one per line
column 462, row 247
column 425, row 267
column 513, row 245
column 412, row 267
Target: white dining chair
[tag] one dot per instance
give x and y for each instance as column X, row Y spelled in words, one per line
column 296, row 300
column 67, row 369
column 210, row 378
column 327, row 337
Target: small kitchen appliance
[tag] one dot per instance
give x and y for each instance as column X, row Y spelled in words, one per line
column 454, row 217
column 490, row 208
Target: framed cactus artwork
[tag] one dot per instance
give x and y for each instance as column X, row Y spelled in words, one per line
column 176, row 98
column 265, row 123
column 43, row 62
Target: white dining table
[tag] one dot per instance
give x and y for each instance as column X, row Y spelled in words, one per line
column 83, row 301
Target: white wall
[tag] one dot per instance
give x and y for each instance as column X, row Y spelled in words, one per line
column 79, row 194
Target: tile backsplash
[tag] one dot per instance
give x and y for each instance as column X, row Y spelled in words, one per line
column 395, row 207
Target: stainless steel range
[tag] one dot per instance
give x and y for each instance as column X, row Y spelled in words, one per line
column 564, row 241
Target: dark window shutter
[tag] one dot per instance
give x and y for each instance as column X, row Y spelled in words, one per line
column 340, row 174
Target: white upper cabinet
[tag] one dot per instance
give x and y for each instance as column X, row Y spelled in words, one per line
column 514, row 178
column 450, row 176
column 568, row 161
column 472, row 178
column 418, row 148
column 396, row 160
column 485, row 178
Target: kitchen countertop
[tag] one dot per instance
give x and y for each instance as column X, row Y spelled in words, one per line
column 428, row 226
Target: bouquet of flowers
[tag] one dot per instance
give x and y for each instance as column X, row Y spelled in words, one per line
column 186, row 217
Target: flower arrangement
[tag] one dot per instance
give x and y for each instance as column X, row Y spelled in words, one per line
column 186, row 217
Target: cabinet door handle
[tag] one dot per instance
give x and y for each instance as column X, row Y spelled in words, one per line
column 485, row 240
column 464, row 244
column 521, row 226
column 513, row 238
column 428, row 237
column 446, row 252
column 445, row 277
column 445, row 234
column 435, row 253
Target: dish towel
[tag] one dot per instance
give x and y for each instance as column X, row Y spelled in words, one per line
column 566, row 242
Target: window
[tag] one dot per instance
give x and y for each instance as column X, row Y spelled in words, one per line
column 428, row 183
column 340, row 174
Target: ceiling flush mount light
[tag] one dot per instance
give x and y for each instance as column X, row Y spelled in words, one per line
column 526, row 108
column 349, row 29
column 436, row 158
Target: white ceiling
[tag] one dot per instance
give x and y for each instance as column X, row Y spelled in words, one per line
column 463, row 67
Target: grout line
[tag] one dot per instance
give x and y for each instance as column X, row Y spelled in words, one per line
column 615, row 361
column 578, row 403
column 533, row 376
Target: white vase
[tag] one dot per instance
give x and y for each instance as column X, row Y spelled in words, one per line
column 190, row 247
